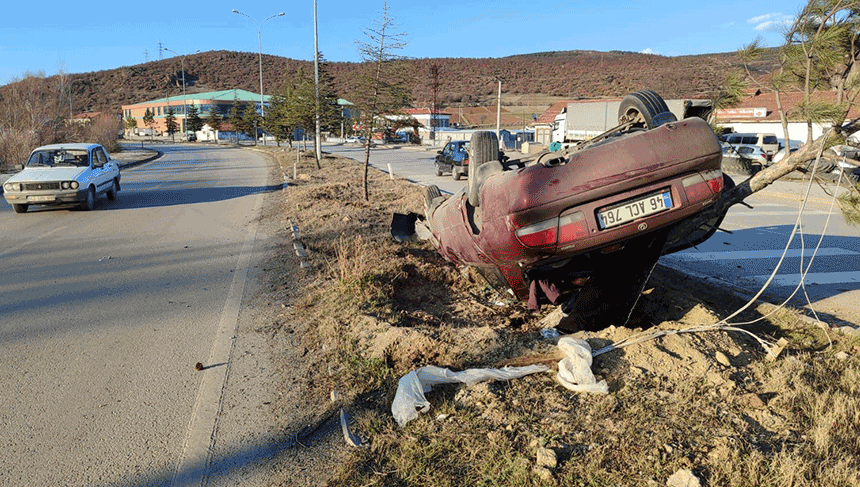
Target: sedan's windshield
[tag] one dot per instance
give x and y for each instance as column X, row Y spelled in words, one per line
column 59, row 157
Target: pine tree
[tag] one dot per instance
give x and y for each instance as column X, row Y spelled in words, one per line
column 193, row 121
column 170, row 122
column 382, row 88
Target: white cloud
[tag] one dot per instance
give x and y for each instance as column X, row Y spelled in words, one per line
column 648, row 50
column 774, row 22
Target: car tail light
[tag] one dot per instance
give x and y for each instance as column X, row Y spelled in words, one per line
column 548, row 233
column 703, row 186
column 572, row 227
column 543, row 234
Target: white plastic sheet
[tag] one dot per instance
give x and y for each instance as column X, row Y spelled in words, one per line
column 410, row 399
column 574, row 372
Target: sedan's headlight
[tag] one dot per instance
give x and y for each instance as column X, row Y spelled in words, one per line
column 12, row 186
column 74, row 185
column 69, row 185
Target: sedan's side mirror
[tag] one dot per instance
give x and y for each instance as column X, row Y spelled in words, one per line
column 439, row 152
column 19, row 167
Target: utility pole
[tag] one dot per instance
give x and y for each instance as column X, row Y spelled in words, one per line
column 318, row 137
column 499, row 109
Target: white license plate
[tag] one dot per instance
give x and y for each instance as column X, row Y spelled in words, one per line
column 635, row 209
column 40, row 198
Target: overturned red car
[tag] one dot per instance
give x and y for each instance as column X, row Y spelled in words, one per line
column 583, row 227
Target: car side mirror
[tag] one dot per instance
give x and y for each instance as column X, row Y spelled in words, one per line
column 439, row 152
column 19, row 167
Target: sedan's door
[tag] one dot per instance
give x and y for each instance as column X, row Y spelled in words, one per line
column 101, row 171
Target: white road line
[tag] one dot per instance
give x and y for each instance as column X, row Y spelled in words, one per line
column 759, row 214
column 761, row 254
column 194, row 460
column 811, row 278
column 31, row 241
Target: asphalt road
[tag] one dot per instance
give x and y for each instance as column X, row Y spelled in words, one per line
column 743, row 260
column 104, row 314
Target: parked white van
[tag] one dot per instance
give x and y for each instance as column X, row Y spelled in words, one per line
column 768, row 142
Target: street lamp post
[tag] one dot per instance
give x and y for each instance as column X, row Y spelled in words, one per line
column 499, row 109
column 184, row 93
column 260, row 55
column 317, row 137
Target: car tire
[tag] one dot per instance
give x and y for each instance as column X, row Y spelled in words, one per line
column 430, row 194
column 438, row 170
column 483, row 148
column 111, row 193
column 455, row 173
column 644, row 108
column 90, row 202
column 20, row 208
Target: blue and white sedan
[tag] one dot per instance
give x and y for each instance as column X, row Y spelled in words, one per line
column 60, row 174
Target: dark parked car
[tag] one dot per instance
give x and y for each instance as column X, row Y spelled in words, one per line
column 584, row 227
column 453, row 158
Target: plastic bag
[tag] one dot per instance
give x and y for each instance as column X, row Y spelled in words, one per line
column 574, row 372
column 410, row 399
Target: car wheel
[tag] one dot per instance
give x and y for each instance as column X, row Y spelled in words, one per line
column 20, row 208
column 90, row 202
column 438, row 170
column 111, row 194
column 484, row 147
column 455, row 173
column 432, row 199
column 644, row 108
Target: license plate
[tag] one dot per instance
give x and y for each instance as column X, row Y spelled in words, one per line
column 634, row 209
column 41, row 198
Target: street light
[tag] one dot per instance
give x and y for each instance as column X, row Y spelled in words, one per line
column 499, row 108
column 184, row 93
column 260, row 54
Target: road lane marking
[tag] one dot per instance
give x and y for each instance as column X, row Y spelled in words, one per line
column 762, row 254
column 194, row 460
column 812, row 278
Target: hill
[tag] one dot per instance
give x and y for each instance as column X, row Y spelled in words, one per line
column 531, row 80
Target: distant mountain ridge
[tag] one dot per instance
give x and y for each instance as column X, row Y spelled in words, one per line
column 528, row 79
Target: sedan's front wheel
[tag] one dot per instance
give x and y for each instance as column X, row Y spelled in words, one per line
column 20, row 208
column 90, row 202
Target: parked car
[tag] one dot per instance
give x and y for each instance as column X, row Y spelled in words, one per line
column 453, row 158
column 752, row 152
column 584, row 227
column 780, row 155
column 62, row 174
column 768, row 142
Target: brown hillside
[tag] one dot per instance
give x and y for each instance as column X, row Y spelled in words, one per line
column 529, row 81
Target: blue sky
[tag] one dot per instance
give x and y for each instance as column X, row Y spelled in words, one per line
column 76, row 37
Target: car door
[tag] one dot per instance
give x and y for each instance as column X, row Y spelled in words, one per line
column 101, row 170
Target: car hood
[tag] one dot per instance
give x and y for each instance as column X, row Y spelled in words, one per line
column 47, row 174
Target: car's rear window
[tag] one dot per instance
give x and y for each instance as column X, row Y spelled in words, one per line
column 770, row 139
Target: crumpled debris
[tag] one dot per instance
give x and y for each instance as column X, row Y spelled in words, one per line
column 409, row 401
column 574, row 372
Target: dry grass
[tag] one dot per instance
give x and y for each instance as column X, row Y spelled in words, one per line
column 708, row 402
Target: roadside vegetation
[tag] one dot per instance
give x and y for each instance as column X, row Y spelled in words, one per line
column 710, row 403
column 34, row 113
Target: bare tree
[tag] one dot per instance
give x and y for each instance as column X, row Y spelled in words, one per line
column 382, row 87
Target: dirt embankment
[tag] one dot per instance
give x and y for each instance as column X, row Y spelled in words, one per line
column 370, row 310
